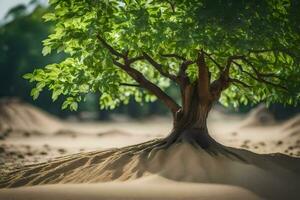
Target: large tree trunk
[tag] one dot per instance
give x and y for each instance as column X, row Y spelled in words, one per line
column 197, row 99
column 190, row 122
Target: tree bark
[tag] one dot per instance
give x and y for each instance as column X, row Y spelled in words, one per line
column 190, row 122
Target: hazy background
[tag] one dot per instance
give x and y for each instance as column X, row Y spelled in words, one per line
column 21, row 34
column 7, row 4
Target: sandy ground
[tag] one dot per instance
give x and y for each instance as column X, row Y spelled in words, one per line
column 30, row 136
column 131, row 190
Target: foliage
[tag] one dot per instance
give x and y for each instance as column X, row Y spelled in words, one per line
column 20, row 43
column 21, row 52
column 266, row 32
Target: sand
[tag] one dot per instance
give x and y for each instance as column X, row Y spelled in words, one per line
column 86, row 161
column 16, row 115
column 272, row 177
column 130, row 190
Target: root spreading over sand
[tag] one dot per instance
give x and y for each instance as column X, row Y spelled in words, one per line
column 270, row 176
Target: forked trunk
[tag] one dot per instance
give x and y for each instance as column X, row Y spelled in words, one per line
column 190, row 123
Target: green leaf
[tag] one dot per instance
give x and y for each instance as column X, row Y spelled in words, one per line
column 28, row 76
column 65, row 105
column 35, row 93
column 49, row 17
column 56, row 94
column 46, row 50
column 74, row 106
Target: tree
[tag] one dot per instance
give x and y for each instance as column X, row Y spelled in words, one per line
column 235, row 52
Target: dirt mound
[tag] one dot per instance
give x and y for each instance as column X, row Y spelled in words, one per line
column 259, row 116
column 258, row 173
column 16, row 115
column 292, row 126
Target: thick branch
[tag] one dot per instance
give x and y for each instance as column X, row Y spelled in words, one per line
column 154, row 89
column 183, row 67
column 224, row 79
column 225, row 73
column 139, row 77
column 203, row 76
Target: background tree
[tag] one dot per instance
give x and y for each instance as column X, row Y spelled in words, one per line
column 20, row 43
column 229, row 51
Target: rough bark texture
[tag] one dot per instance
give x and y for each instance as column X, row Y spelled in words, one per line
column 190, row 121
column 197, row 99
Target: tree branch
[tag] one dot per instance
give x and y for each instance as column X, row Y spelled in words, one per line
column 259, row 74
column 109, row 47
column 203, row 76
column 172, row 55
column 132, row 60
column 181, row 76
column 258, row 77
column 130, row 84
column 282, row 50
column 139, row 77
column 151, row 87
column 159, row 68
column 183, row 67
column 226, row 70
column 239, row 82
column 214, row 61
column 217, row 86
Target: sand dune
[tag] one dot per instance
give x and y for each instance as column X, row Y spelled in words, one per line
column 259, row 116
column 16, row 115
column 292, row 126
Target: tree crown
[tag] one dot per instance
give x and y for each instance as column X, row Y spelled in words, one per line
column 117, row 47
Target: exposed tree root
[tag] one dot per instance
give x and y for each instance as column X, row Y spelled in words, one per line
column 130, row 162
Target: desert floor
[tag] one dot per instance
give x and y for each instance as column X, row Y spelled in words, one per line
column 30, row 136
